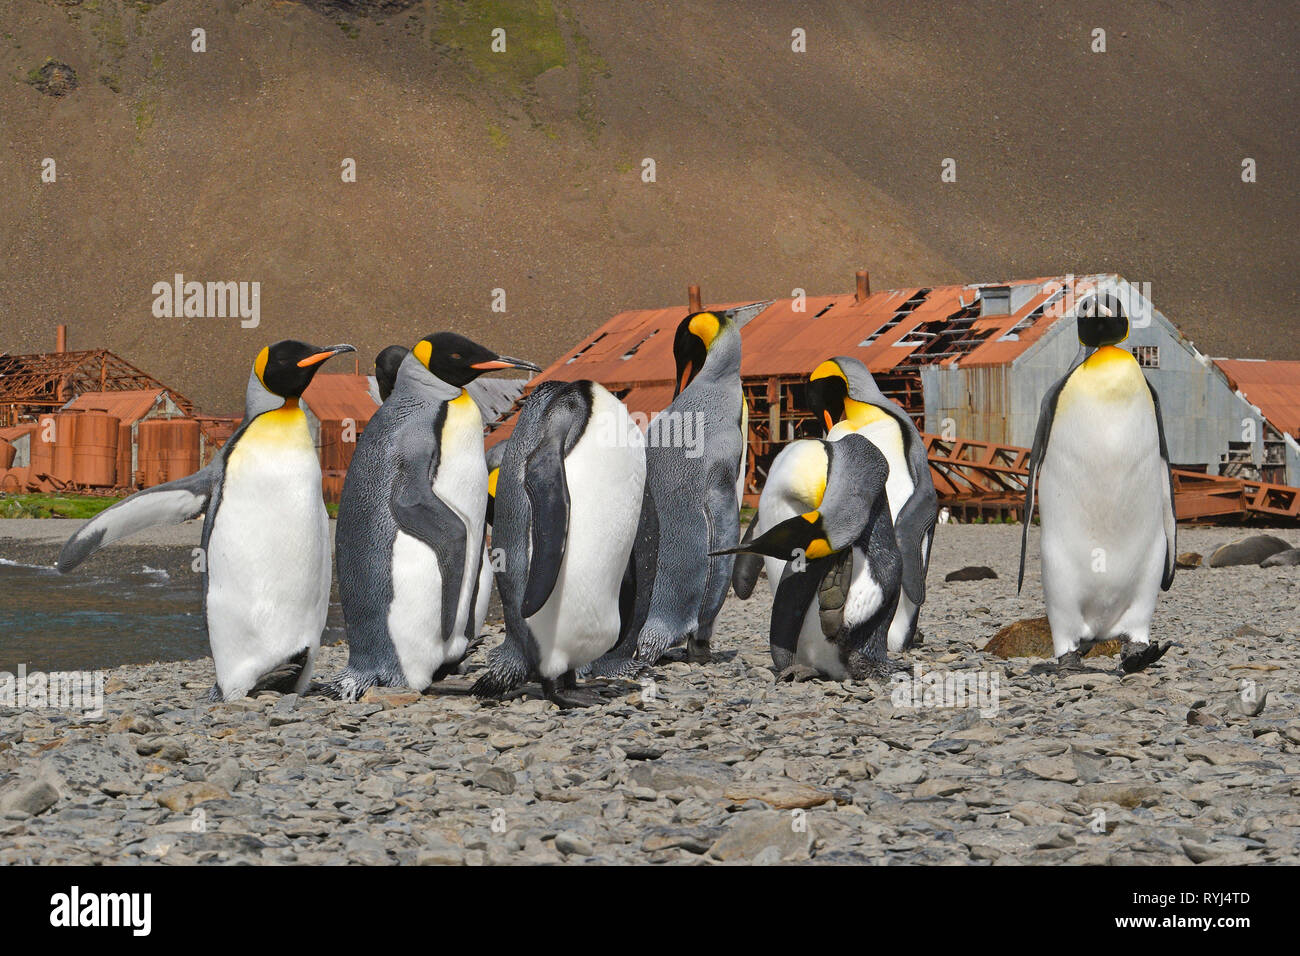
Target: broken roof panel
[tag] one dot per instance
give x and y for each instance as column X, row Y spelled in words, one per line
column 129, row 405
column 332, row 396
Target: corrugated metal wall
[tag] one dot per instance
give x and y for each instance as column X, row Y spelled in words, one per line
column 1201, row 413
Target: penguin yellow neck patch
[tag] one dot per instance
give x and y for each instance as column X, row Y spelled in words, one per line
column 858, row 413
column 1109, row 355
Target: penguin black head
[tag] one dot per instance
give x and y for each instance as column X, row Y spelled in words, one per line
column 695, row 336
column 386, row 363
column 287, row 368
column 828, row 387
column 458, row 361
column 1101, row 321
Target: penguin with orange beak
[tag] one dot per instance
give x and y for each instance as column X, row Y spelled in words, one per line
column 410, row 533
column 266, row 545
column 690, row 512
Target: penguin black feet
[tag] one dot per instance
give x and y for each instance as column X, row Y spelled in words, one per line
column 1138, row 657
column 572, row 697
column 798, row 674
column 1071, row 662
column 697, row 651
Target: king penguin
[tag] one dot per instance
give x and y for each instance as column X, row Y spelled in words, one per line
column 695, row 451
column 387, row 363
column 832, row 559
column 844, row 399
column 568, row 499
column 1100, row 466
column 411, row 517
column 265, row 540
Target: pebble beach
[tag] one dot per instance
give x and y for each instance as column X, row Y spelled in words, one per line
column 1196, row 760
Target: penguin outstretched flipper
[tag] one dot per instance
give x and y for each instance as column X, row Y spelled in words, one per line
column 428, row 519
column 172, row 503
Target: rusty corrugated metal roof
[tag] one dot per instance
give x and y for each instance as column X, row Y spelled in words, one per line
column 1272, row 386
column 910, row 326
column 129, row 405
column 334, row 397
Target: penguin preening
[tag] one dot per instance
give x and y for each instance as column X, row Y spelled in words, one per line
column 567, row 501
column 691, row 507
column 1100, row 467
column 832, row 558
column 410, row 530
column 266, row 578
column 844, row 399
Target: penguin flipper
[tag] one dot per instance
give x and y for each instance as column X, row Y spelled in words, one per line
column 744, row 574
column 1170, row 518
column 430, row 520
column 171, row 503
column 1043, row 432
column 914, row 526
column 548, row 500
column 794, row 596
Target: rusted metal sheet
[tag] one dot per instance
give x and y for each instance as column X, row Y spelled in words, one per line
column 340, row 397
column 167, row 449
column 30, row 384
column 94, row 455
column 129, row 406
column 1272, row 386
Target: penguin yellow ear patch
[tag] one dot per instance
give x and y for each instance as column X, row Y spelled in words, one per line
column 827, row 369
column 259, row 365
column 705, row 327
column 423, row 351
column 492, row 481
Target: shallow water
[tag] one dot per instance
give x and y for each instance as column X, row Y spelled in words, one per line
column 130, row 614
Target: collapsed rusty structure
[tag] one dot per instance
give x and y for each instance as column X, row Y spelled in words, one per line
column 91, row 422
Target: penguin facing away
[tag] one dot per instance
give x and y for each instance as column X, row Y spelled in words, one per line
column 691, row 508
column 1100, row 467
column 568, row 500
column 833, row 558
column 410, row 531
column 844, row 399
column 265, row 539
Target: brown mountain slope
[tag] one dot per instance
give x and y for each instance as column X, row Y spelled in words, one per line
column 521, row 170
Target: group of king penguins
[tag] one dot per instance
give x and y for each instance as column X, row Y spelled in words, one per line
column 609, row 546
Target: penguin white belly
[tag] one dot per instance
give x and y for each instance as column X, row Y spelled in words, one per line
column 885, row 434
column 268, row 554
column 461, row 482
column 815, row 651
column 1101, row 500
column 580, row 620
column 415, row 616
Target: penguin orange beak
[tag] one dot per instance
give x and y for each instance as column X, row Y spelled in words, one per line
column 687, row 372
column 829, row 424
column 319, row 357
column 505, row 361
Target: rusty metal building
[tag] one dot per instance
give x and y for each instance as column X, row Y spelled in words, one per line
column 967, row 362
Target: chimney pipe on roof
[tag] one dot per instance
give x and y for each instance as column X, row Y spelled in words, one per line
column 61, row 339
column 693, row 299
column 864, row 286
